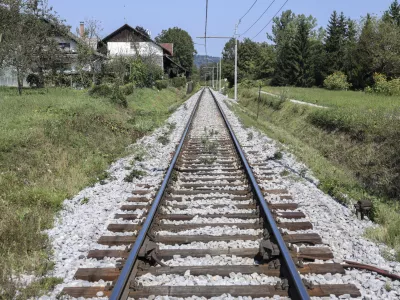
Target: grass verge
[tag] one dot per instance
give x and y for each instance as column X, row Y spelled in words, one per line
column 347, row 167
column 53, row 143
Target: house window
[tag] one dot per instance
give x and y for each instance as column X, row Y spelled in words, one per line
column 64, row 45
column 135, row 46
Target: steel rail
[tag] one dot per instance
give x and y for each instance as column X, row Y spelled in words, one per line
column 294, row 278
column 124, row 276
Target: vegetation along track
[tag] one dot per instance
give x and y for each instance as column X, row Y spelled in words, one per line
column 210, row 225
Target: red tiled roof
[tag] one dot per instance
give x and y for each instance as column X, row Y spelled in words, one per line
column 169, row 47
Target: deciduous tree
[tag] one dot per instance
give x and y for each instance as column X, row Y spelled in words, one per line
column 184, row 50
column 87, row 48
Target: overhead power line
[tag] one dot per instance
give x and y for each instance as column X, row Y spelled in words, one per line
column 240, row 20
column 258, row 19
column 271, row 19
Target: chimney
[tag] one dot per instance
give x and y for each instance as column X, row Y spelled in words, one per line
column 82, row 29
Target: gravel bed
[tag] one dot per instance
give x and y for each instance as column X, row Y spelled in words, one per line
column 235, row 244
column 207, row 211
column 206, row 280
column 334, row 222
column 214, row 231
column 202, row 220
column 220, row 260
column 208, row 202
column 78, row 226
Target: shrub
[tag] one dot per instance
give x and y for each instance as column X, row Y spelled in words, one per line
column 163, row 140
column 278, row 155
column 144, row 74
column 161, row 84
column 248, row 84
column 33, row 80
column 118, row 97
column 337, row 81
column 178, row 82
column 127, row 89
column 134, row 174
column 384, row 86
column 101, row 90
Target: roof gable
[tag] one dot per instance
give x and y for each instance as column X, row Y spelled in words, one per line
column 127, row 33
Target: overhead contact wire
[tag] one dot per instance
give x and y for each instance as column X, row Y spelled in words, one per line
column 271, row 19
column 240, row 20
column 265, row 11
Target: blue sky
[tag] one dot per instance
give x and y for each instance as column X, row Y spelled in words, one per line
column 157, row 15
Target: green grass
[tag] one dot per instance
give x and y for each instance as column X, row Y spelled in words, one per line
column 342, row 99
column 52, row 144
column 349, row 166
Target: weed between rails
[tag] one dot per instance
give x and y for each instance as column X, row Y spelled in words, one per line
column 210, row 146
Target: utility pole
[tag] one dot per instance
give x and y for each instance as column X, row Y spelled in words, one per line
column 220, row 73
column 216, row 86
column 212, row 77
column 226, row 37
column 236, row 61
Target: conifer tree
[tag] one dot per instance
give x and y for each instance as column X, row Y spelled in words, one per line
column 393, row 13
column 336, row 35
column 300, row 54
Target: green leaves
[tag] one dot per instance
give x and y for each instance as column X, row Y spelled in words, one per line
column 183, row 46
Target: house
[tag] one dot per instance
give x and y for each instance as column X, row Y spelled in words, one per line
column 128, row 41
column 66, row 61
column 68, row 44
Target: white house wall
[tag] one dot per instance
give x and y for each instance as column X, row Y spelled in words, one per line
column 144, row 49
column 8, row 77
column 73, row 44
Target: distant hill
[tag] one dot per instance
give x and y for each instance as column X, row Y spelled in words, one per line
column 201, row 60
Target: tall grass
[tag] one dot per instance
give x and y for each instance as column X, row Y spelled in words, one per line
column 354, row 152
column 52, row 144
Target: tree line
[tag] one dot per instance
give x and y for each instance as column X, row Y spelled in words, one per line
column 30, row 48
column 300, row 54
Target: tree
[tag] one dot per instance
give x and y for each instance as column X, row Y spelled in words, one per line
column 378, row 50
column 20, row 37
column 87, row 48
column 393, row 13
column 318, row 56
column 265, row 61
column 336, row 36
column 350, row 65
column 28, row 43
column 228, row 61
column 285, row 32
column 248, row 52
column 301, row 64
column 183, row 46
column 143, row 31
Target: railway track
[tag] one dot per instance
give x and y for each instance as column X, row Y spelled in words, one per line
column 209, row 230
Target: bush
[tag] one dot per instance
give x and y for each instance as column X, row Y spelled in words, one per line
column 144, row 74
column 161, row 84
column 127, row 89
column 101, row 90
column 337, row 81
column 383, row 86
column 248, row 84
column 178, row 82
column 118, row 97
column 33, row 80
